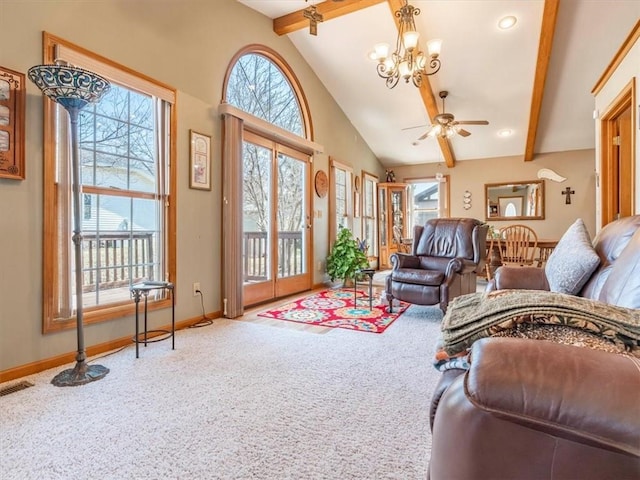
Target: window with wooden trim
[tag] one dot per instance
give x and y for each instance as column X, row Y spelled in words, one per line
column 370, row 212
column 128, row 192
column 341, row 198
column 428, row 198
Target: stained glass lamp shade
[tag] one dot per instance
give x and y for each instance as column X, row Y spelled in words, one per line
column 74, row 88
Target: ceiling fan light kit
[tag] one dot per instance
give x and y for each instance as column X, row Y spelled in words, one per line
column 407, row 61
column 445, row 125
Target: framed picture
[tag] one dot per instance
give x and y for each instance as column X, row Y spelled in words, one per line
column 12, row 95
column 200, row 161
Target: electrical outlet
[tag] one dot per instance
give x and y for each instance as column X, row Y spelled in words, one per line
column 196, row 288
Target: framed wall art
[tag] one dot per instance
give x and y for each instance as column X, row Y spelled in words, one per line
column 200, row 161
column 12, row 97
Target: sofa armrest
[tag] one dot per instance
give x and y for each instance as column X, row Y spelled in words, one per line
column 445, row 381
column 528, row 278
column 583, row 395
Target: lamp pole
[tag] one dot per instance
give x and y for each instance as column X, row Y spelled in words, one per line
column 74, row 88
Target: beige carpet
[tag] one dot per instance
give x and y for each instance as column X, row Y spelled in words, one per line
column 237, row 400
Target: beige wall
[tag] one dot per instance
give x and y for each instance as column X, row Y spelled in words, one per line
column 186, row 44
column 471, row 175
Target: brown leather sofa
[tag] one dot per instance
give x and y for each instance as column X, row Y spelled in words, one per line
column 446, row 255
column 616, row 280
column 533, row 409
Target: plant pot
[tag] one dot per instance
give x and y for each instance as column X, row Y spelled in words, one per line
column 348, row 283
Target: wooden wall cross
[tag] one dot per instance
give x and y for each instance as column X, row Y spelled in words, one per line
column 568, row 192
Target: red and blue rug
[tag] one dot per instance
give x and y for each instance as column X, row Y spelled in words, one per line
column 336, row 308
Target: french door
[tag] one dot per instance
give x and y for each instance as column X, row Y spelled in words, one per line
column 276, row 223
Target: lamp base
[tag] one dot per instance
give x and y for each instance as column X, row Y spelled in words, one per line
column 79, row 375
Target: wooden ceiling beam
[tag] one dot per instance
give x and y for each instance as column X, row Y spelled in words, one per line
column 549, row 17
column 329, row 9
column 429, row 100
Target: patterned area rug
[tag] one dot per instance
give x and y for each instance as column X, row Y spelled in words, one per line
column 336, row 308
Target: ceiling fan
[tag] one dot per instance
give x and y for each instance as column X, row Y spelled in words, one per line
column 445, row 124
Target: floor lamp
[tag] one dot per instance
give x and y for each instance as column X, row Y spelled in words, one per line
column 74, row 88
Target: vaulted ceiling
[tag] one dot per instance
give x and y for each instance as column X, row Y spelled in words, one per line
column 534, row 79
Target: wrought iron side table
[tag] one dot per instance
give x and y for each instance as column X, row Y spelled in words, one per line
column 369, row 272
column 143, row 289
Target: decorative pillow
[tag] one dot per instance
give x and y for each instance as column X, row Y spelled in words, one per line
column 572, row 261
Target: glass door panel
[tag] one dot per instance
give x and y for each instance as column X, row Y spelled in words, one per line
column 293, row 222
column 256, row 222
column 290, row 216
column 276, row 220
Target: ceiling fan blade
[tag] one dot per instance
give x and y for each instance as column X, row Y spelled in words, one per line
column 463, row 133
column 424, row 135
column 472, row 122
column 416, row 126
column 427, row 133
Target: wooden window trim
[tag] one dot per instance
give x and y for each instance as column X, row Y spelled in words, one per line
column 50, row 225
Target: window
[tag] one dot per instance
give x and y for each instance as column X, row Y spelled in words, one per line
column 428, row 199
column 340, row 199
column 256, row 85
column 127, row 185
column 267, row 246
column 370, row 212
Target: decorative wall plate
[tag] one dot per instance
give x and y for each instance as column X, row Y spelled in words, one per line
column 356, row 184
column 321, row 183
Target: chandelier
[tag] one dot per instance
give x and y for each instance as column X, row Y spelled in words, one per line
column 407, row 61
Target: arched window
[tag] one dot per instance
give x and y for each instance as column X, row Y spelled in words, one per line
column 258, row 86
column 267, row 149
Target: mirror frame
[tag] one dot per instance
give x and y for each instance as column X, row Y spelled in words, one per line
column 496, row 217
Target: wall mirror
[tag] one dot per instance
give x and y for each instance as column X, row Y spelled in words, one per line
column 515, row 200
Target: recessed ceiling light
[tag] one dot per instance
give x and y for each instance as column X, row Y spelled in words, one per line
column 506, row 23
column 505, row 132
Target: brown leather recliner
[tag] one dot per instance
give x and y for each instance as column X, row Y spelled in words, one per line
column 446, row 255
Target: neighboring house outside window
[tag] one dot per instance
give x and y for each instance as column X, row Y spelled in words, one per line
column 428, row 198
column 125, row 154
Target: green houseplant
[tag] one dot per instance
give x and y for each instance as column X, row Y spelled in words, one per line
column 345, row 257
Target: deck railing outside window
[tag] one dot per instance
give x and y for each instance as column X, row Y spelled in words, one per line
column 116, row 259
column 256, row 252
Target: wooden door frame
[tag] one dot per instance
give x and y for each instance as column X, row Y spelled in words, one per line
column 608, row 155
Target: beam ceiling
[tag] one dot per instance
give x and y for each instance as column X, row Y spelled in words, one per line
column 549, row 17
column 333, row 9
column 329, row 9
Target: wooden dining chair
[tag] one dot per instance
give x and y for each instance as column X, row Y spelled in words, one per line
column 403, row 246
column 517, row 245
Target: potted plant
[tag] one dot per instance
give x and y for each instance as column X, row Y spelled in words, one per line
column 345, row 258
